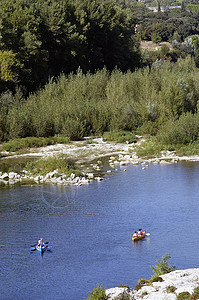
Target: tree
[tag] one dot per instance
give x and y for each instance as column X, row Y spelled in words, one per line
column 162, row 266
column 53, row 36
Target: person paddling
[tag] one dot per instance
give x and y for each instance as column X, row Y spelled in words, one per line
column 40, row 243
column 135, row 234
column 141, row 232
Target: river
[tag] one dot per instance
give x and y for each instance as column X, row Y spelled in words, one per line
column 90, row 227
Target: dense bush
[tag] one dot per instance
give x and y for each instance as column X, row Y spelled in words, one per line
column 80, row 104
column 120, row 136
column 97, row 293
column 140, row 283
column 149, row 149
column 59, row 163
column 184, row 296
column 32, row 142
column 182, row 131
column 195, row 294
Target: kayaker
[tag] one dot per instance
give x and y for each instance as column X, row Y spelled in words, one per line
column 140, row 232
column 135, row 234
column 40, row 243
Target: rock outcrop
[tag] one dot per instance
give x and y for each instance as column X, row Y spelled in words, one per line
column 51, row 177
column 172, row 285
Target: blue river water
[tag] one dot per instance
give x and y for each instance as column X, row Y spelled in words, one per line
column 90, row 227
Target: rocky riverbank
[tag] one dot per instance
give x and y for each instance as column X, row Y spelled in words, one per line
column 88, row 155
column 172, row 285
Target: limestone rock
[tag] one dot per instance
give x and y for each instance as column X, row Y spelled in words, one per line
column 182, row 280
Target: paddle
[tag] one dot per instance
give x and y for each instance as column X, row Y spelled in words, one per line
column 36, row 244
column 32, row 249
column 147, row 234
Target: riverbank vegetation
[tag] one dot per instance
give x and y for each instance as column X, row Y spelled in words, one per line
column 60, row 163
column 74, row 69
column 120, row 136
column 32, row 142
column 160, row 101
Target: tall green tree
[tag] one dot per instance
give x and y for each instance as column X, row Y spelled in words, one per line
column 54, row 36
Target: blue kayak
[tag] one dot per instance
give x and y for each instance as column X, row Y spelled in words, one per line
column 41, row 249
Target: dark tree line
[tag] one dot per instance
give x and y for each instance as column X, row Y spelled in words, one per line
column 42, row 38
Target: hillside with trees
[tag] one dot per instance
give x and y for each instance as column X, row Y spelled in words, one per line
column 74, row 68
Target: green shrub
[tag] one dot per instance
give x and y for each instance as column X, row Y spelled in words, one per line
column 171, row 289
column 60, row 163
column 144, row 294
column 162, row 266
column 183, row 131
column 149, row 149
column 89, row 141
column 97, row 293
column 156, row 279
column 120, row 136
column 191, row 149
column 124, row 286
column 140, row 283
column 33, row 142
column 195, row 294
column 148, row 127
column 184, row 296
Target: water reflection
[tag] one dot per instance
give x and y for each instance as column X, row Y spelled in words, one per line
column 139, row 244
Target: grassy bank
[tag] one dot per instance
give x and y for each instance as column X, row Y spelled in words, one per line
column 32, row 142
column 59, row 163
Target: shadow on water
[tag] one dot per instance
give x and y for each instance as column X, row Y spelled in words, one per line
column 139, row 244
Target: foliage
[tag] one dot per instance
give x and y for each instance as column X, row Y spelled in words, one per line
column 32, row 142
column 88, row 104
column 195, row 294
column 45, row 38
column 8, row 66
column 97, row 293
column 148, row 128
column 193, row 8
column 140, row 283
column 183, row 131
column 120, row 136
column 156, row 279
column 164, row 26
column 124, row 286
column 184, row 296
column 187, row 150
column 59, row 163
column 162, row 266
column 149, row 149
column 171, row 289
column 144, row 294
